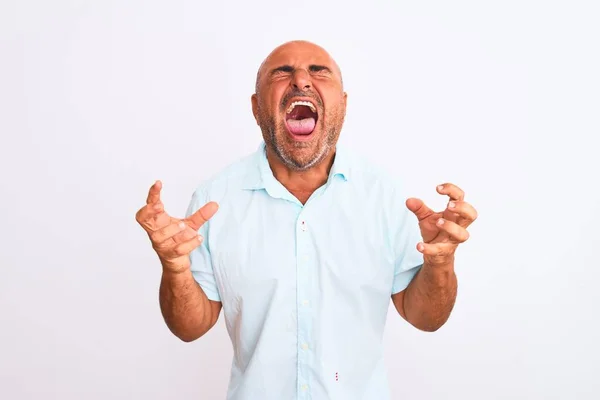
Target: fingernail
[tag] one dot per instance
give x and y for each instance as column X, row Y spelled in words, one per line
column 440, row 221
column 441, row 187
column 451, row 204
column 200, row 238
column 182, row 225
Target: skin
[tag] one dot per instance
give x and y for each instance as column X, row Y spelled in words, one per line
column 429, row 299
column 303, row 69
column 187, row 311
column 299, row 70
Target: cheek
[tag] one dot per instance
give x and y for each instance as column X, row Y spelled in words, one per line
column 332, row 98
column 335, row 109
column 266, row 109
column 276, row 94
column 272, row 108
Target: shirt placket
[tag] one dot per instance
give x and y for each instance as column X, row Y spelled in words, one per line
column 303, row 267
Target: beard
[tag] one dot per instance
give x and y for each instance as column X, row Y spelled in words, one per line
column 301, row 156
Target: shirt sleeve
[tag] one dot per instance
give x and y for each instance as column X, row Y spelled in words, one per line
column 200, row 258
column 407, row 259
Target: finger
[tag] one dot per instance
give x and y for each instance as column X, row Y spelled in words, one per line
column 149, row 213
column 160, row 236
column 203, row 214
column 451, row 190
column 186, row 247
column 180, row 237
column 436, row 249
column 455, row 231
column 419, row 208
column 464, row 210
column 154, row 193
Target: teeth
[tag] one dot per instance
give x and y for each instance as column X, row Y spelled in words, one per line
column 301, row 103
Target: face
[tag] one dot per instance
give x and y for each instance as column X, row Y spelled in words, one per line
column 300, row 104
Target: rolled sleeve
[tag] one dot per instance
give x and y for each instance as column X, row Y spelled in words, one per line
column 408, row 260
column 200, row 258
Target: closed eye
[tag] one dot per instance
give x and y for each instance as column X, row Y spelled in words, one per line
column 319, row 68
column 287, row 69
column 283, row 69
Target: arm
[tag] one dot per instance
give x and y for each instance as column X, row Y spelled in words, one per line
column 429, row 299
column 187, row 311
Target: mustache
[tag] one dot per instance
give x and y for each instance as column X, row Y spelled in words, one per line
column 300, row 93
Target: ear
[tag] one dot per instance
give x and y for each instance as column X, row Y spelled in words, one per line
column 254, row 100
column 345, row 102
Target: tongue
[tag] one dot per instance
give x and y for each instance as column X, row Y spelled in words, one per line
column 301, row 126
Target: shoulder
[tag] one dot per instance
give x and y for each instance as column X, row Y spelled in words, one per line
column 232, row 178
column 380, row 192
column 370, row 175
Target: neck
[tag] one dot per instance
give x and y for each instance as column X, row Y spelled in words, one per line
column 301, row 183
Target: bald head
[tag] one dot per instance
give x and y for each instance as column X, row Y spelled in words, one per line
column 301, row 48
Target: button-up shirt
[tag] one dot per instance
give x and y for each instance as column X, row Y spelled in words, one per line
column 306, row 288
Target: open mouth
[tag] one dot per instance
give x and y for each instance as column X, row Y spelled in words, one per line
column 301, row 118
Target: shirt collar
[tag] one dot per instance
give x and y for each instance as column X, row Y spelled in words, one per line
column 260, row 175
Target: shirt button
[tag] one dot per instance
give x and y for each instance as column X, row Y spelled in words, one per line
column 304, row 387
column 303, row 226
column 304, row 346
column 305, row 257
column 305, row 302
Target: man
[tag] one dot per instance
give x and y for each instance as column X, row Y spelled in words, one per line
column 309, row 245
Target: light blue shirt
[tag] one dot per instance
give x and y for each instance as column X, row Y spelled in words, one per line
column 306, row 289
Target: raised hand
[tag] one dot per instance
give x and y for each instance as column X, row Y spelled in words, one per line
column 443, row 231
column 173, row 239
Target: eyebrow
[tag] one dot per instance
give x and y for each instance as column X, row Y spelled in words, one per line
column 289, row 68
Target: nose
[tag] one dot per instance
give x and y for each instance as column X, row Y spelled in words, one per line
column 301, row 80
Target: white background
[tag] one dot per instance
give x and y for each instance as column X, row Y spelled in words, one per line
column 99, row 99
